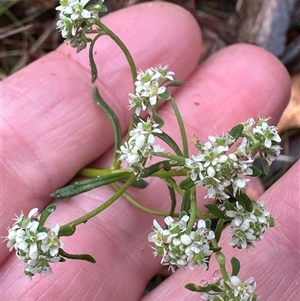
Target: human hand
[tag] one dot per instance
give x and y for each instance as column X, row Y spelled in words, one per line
column 52, row 128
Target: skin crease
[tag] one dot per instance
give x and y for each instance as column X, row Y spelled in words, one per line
column 58, row 132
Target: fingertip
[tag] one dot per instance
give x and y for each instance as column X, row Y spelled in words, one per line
column 258, row 77
column 238, row 82
column 176, row 33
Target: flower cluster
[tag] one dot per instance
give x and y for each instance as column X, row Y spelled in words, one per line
column 140, row 145
column 150, row 87
column 247, row 227
column 73, row 16
column 179, row 248
column 36, row 247
column 269, row 139
column 233, row 289
column 216, row 170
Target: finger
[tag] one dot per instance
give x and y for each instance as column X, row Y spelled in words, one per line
column 274, row 263
column 52, row 128
column 118, row 238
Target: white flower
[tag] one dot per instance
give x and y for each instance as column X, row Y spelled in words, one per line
column 215, row 169
column 234, row 289
column 140, row 145
column 247, row 227
column 195, row 167
column 150, row 87
column 243, row 290
column 138, row 103
column 51, row 242
column 74, row 9
column 266, row 132
column 33, row 246
column 66, row 26
column 179, row 248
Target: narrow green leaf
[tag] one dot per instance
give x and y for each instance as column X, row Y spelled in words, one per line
column 141, row 184
column 244, row 201
column 187, row 184
column 150, row 170
column 216, row 289
column 45, row 214
column 186, row 201
column 256, row 171
column 193, row 287
column 89, row 184
column 176, row 83
column 91, row 58
column 265, row 164
column 173, row 198
column 213, row 209
column 172, row 143
column 219, row 229
column 197, row 288
column 86, row 257
column 236, row 131
column 165, row 96
column 235, row 264
column 67, row 230
column 157, row 119
column 112, row 117
column 229, row 206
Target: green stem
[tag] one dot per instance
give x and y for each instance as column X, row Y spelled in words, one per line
column 181, row 128
column 122, row 46
column 95, row 172
column 172, row 184
column 111, row 200
column 132, row 201
column 222, row 262
column 171, row 157
column 193, row 211
column 117, row 163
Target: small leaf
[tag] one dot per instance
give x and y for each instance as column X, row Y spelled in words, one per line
column 236, row 131
column 91, row 58
column 165, row 96
column 186, row 184
column 213, row 209
column 193, row 287
column 219, row 229
column 244, row 201
column 256, row 171
column 235, row 264
column 166, row 138
column 86, row 257
column 197, row 288
column 67, row 230
column 89, row 184
column 158, row 119
column 172, row 197
column 186, row 201
column 141, row 184
column 265, row 164
column 45, row 214
column 229, row 206
column 176, row 83
column 112, row 117
column 150, row 170
column 216, row 289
